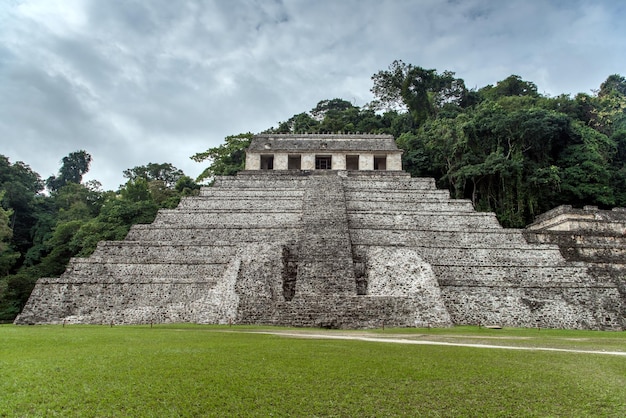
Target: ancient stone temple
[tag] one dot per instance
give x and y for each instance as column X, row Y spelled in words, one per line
column 328, row 231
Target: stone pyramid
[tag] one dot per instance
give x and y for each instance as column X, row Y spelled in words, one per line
column 325, row 248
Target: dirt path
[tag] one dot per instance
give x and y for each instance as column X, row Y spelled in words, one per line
column 397, row 339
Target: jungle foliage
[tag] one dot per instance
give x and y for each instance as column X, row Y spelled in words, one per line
column 40, row 232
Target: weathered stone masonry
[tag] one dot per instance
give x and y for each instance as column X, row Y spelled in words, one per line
column 338, row 248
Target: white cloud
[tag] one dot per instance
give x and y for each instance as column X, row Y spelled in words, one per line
column 134, row 82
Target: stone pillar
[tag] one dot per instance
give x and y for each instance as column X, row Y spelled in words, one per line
column 394, row 162
column 253, row 161
column 366, row 161
column 280, row 161
column 338, row 161
column 308, row 162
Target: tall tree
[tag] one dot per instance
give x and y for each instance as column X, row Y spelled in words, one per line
column 615, row 84
column 297, row 124
column 7, row 256
column 164, row 172
column 609, row 112
column 419, row 91
column 113, row 223
column 512, row 86
column 339, row 115
column 324, row 107
column 22, row 188
column 618, row 163
column 226, row 159
column 185, row 186
column 73, row 168
column 78, row 201
column 502, row 160
column 586, row 167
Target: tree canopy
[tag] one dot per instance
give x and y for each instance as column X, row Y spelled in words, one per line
column 39, row 233
column 164, row 172
column 421, row 92
column 73, row 167
column 226, row 159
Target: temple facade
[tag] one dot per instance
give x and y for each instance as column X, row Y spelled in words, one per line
column 324, row 152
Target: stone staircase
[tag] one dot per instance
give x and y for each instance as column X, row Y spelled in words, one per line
column 325, row 261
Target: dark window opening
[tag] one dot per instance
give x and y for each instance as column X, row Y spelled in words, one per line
column 267, row 162
column 294, row 162
column 352, row 162
column 380, row 163
column 323, row 162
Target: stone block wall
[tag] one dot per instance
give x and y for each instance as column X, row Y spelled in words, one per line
column 485, row 274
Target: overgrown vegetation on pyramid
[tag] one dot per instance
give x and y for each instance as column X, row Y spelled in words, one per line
column 328, row 231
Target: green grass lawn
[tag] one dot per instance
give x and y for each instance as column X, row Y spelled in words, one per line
column 187, row 370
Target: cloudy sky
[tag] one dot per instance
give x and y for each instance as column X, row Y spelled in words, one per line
column 139, row 81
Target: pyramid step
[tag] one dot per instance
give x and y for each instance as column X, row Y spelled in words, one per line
column 259, row 193
column 88, row 268
column 452, row 220
column 164, row 251
column 388, row 207
column 490, row 237
column 215, row 234
column 525, row 276
column 238, row 219
column 355, row 184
